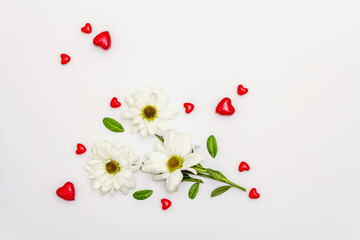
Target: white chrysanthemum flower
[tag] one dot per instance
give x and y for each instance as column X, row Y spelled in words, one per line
column 148, row 111
column 171, row 157
column 112, row 167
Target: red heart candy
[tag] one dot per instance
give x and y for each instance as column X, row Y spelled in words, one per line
column 224, row 107
column 115, row 103
column 165, row 203
column 87, row 28
column 103, row 40
column 253, row 194
column 65, row 58
column 242, row 90
column 66, row 192
column 189, row 107
column 80, row 149
column 244, row 167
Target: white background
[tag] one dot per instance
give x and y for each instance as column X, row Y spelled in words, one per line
column 298, row 127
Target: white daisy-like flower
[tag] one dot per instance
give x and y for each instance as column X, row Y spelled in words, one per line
column 171, row 158
column 112, row 167
column 148, row 111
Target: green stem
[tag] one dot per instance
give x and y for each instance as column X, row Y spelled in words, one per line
column 201, row 170
column 204, row 175
column 237, row 186
column 160, row 137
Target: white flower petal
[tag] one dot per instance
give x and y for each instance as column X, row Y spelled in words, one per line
column 160, row 148
column 144, row 132
column 134, row 168
column 124, row 190
column 163, row 100
column 191, row 170
column 106, row 188
column 151, row 128
column 127, row 174
column 106, row 146
column 99, row 174
column 102, row 153
column 137, row 119
column 154, row 167
column 97, row 184
column 176, row 177
column 167, row 113
column 139, row 101
column 116, row 183
column 192, row 159
column 135, row 129
column 119, row 153
column 160, row 177
column 131, row 113
column 132, row 185
column 104, row 178
column 174, row 180
column 169, row 142
column 143, row 124
column 130, row 101
column 133, row 158
column 149, row 96
column 153, row 99
column 182, row 145
column 118, row 145
column 157, row 157
column 94, row 162
column 88, row 168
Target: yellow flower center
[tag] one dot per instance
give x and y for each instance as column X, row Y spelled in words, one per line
column 149, row 113
column 175, row 162
column 112, row 167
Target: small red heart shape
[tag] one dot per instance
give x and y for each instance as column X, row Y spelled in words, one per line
column 242, row 90
column 189, row 107
column 103, row 40
column 253, row 194
column 244, row 167
column 224, row 107
column 166, row 203
column 87, row 28
column 64, row 58
column 66, row 192
column 115, row 103
column 80, row 149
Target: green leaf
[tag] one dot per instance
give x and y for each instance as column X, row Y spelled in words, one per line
column 142, row 194
column 217, row 175
column 220, row 190
column 187, row 178
column 212, row 146
column 160, row 137
column 194, row 190
column 113, row 125
column 204, row 175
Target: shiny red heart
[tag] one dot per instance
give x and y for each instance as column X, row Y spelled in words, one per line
column 224, row 107
column 87, row 28
column 103, row 40
column 253, row 194
column 65, row 58
column 242, row 90
column 165, row 203
column 244, row 167
column 115, row 103
column 189, row 107
column 66, row 192
column 80, row 149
